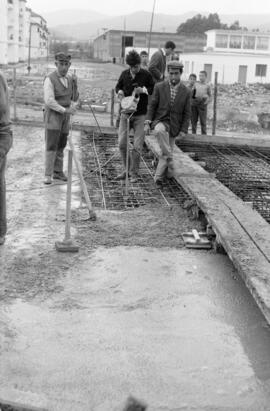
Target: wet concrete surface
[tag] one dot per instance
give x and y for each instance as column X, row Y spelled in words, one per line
column 175, row 327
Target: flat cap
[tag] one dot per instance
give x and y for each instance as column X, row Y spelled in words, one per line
column 175, row 64
column 62, row 57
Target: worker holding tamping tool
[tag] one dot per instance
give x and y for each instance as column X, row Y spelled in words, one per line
column 168, row 116
column 135, row 83
column 60, row 90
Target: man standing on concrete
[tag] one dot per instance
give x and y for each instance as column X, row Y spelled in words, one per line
column 168, row 115
column 60, row 90
column 199, row 103
column 5, row 145
column 157, row 65
column 138, row 82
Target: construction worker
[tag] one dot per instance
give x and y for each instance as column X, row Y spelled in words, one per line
column 60, row 90
column 199, row 102
column 157, row 65
column 168, row 115
column 138, row 82
column 5, row 145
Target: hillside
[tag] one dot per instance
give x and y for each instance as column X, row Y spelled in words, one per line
column 84, row 24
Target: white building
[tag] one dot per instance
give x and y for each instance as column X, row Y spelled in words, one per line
column 237, row 56
column 16, row 23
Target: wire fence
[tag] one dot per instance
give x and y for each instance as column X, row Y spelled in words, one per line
column 96, row 85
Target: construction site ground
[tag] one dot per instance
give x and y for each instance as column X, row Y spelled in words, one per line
column 132, row 312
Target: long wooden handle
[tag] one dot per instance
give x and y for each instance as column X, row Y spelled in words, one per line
column 83, row 185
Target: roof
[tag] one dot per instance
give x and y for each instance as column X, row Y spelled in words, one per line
column 239, row 32
column 166, row 34
column 227, row 54
column 33, row 14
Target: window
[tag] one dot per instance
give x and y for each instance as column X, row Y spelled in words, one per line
column 262, row 43
column 235, row 42
column 260, row 70
column 222, row 41
column 249, row 42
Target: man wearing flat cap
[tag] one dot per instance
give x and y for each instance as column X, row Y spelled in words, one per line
column 60, row 90
column 168, row 116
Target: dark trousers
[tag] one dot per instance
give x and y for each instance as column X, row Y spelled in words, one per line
column 199, row 111
column 56, row 133
column 5, row 144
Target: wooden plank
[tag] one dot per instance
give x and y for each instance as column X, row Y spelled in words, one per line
column 252, row 140
column 244, row 234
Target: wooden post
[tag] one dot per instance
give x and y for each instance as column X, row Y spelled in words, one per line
column 215, row 105
column 68, row 204
column 112, row 106
column 14, row 94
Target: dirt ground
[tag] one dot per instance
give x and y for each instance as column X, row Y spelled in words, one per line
column 36, row 215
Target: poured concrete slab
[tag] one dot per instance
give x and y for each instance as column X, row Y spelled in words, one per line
column 175, row 327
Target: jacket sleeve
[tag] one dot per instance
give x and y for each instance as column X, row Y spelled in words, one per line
column 150, row 84
column 153, row 104
column 4, row 99
column 186, row 114
column 119, row 85
column 155, row 66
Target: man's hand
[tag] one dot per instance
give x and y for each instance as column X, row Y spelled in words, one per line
column 120, row 94
column 182, row 134
column 70, row 110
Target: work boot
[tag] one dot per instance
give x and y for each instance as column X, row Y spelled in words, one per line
column 121, row 176
column 2, row 239
column 59, row 176
column 48, row 180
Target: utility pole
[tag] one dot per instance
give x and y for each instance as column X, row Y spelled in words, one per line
column 29, row 48
column 151, row 27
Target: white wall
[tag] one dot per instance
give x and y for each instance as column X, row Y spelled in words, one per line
column 3, row 32
column 13, row 32
column 22, row 33
column 227, row 66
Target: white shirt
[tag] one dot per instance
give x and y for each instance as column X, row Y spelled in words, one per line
column 49, row 97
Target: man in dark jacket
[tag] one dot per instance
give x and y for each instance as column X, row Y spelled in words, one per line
column 168, row 115
column 5, row 145
column 137, row 81
column 157, row 65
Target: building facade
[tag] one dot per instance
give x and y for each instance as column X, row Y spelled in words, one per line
column 21, row 29
column 112, row 43
column 237, row 57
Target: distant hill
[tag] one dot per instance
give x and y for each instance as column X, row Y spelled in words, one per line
column 77, row 16
column 82, row 27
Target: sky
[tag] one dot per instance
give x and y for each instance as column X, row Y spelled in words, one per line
column 119, row 7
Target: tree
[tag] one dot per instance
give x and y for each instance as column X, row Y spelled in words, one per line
column 200, row 24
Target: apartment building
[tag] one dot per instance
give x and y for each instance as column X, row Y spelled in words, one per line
column 21, row 30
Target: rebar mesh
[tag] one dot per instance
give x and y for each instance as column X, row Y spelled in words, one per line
column 102, row 163
column 243, row 169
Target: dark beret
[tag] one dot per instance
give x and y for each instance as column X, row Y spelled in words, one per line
column 62, row 57
column 175, row 64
